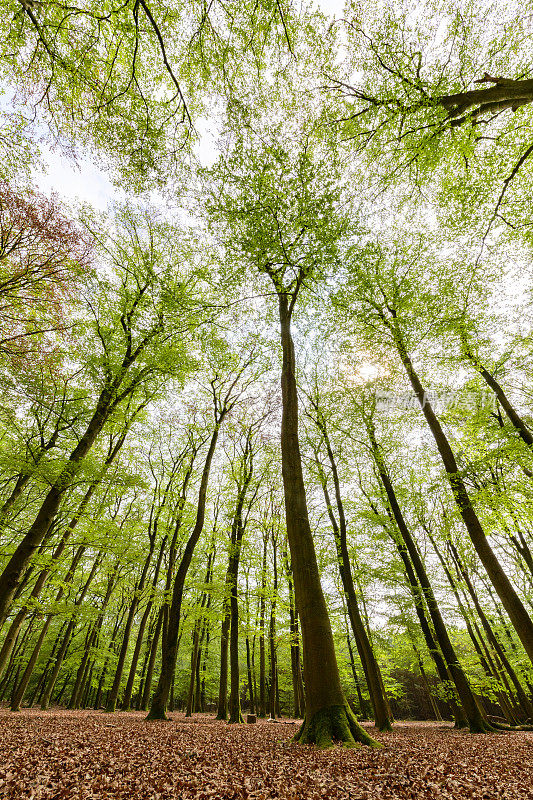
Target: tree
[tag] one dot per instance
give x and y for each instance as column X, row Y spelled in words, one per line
column 43, row 255
column 225, row 392
column 279, row 205
column 129, row 324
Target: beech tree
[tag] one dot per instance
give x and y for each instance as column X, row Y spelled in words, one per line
column 279, row 206
column 137, row 323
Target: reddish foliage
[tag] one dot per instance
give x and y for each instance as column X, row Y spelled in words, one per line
column 41, row 255
column 93, row 755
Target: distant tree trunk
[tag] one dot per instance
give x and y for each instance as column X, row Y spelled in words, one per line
column 272, row 634
column 205, row 659
column 249, row 675
column 147, row 690
column 234, row 698
column 364, row 647
column 360, row 698
column 238, row 528
column 432, row 701
column 137, row 593
column 110, row 649
column 45, row 701
column 420, row 608
column 474, row 715
column 92, row 640
column 43, row 577
column 222, row 711
column 523, row 699
column 18, row 695
column 194, row 662
column 170, row 641
column 195, row 654
column 126, row 700
column 40, row 684
column 262, row 614
column 295, row 643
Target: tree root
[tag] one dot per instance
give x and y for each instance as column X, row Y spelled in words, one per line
column 335, row 724
column 499, row 726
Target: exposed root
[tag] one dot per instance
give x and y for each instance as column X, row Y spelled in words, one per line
column 499, row 726
column 335, row 724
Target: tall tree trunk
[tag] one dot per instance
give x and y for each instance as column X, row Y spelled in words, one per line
column 272, row 635
column 295, row 641
column 222, row 710
column 474, row 714
column 262, row 615
column 195, row 655
column 327, row 714
column 507, row 594
column 364, row 647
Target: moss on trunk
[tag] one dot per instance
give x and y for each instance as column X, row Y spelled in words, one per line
column 157, row 711
column 335, row 724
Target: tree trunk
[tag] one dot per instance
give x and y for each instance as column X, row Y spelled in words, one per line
column 474, row 715
column 147, row 689
column 170, row 641
column 195, row 655
column 262, row 614
column 295, row 642
column 508, row 596
column 45, row 701
column 327, row 714
column 364, row 647
column 112, row 698
column 524, row 700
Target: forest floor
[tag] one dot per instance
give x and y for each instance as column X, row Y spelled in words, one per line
column 88, row 754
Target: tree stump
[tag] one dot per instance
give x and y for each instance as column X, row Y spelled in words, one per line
column 251, row 718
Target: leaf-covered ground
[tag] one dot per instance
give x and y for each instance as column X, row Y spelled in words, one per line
column 65, row 754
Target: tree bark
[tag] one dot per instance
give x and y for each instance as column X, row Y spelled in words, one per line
column 327, row 714
column 507, row 594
